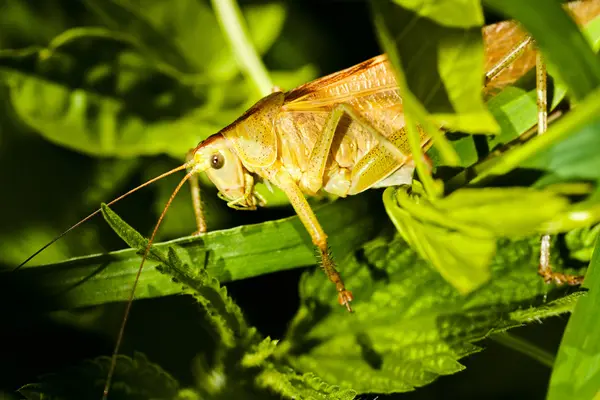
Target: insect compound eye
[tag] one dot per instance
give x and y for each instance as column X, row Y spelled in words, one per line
column 217, row 160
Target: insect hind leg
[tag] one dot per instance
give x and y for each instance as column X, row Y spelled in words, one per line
column 391, row 157
column 544, row 267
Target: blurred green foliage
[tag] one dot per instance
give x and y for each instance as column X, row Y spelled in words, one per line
column 98, row 96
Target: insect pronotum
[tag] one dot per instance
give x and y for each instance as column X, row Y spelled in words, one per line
column 342, row 134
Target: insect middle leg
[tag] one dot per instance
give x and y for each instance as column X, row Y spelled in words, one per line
column 312, row 182
column 382, row 160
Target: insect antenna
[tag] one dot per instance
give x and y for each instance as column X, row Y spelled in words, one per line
column 113, row 361
column 181, row 167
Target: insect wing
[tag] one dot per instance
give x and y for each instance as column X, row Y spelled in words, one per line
column 370, row 88
column 367, row 78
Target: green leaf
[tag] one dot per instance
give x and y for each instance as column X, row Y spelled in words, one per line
column 130, row 236
column 580, row 242
column 229, row 324
column 572, row 158
column 458, row 233
column 100, row 122
column 292, row 385
column 410, row 326
column 235, row 336
column 25, row 23
column 461, row 257
column 439, row 60
column 173, row 33
column 140, row 86
column 135, row 378
column 452, row 13
column 505, row 212
column 132, row 120
column 125, row 18
column 259, row 354
column 540, row 151
column 559, row 39
column 576, row 371
column 288, row 80
column 515, row 109
column 222, row 312
column 37, row 217
column 229, row 255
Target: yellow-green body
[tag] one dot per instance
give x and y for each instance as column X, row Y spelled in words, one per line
column 285, row 131
column 342, row 134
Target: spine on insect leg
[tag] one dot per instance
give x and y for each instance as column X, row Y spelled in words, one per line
column 325, row 258
column 281, row 178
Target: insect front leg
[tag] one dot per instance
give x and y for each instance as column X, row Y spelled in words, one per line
column 383, row 160
column 284, row 181
column 197, row 201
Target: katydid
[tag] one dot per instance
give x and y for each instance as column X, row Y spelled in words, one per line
column 342, row 134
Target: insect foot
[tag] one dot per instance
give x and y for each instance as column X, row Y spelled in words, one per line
column 545, row 269
column 560, row 278
column 344, row 298
column 344, row 295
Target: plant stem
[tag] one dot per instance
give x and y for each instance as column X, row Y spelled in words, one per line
column 523, row 346
column 232, row 23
